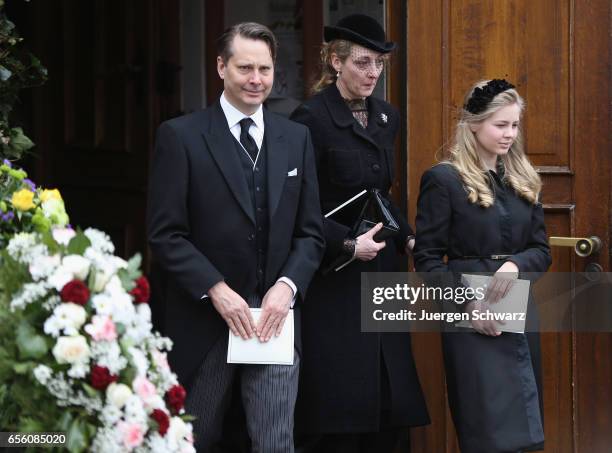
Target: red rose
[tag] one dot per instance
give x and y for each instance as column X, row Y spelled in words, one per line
column 162, row 419
column 75, row 291
column 141, row 291
column 101, row 377
column 175, row 397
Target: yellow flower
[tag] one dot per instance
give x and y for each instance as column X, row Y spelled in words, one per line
column 22, row 200
column 50, row 194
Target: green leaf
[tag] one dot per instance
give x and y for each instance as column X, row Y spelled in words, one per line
column 90, row 390
column 120, row 328
column 76, row 437
column 134, row 264
column 49, row 241
column 22, row 368
column 78, row 244
column 30, row 344
column 19, row 141
column 128, row 374
column 126, row 281
column 90, row 430
column 30, row 425
column 65, row 421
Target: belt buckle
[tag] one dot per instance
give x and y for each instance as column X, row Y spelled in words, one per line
column 499, row 257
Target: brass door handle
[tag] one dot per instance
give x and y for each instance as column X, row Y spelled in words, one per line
column 582, row 246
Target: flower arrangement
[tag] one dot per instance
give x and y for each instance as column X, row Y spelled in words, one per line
column 26, row 208
column 76, row 336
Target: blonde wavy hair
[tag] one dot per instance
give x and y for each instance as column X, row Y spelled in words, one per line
column 519, row 173
column 327, row 74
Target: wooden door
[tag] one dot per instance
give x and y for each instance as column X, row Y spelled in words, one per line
column 112, row 79
column 558, row 54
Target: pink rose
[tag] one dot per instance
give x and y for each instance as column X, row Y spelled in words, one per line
column 144, row 388
column 132, row 434
column 160, row 359
column 102, row 328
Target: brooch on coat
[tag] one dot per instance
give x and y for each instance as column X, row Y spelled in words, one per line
column 383, row 118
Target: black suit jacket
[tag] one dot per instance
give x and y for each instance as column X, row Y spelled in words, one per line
column 201, row 224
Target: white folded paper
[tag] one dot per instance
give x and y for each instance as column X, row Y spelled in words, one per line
column 276, row 351
column 512, row 309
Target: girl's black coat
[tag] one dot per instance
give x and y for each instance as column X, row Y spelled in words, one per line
column 493, row 383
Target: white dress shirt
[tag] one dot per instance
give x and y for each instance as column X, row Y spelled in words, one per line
column 234, row 116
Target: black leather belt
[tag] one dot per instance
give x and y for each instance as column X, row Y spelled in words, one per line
column 483, row 257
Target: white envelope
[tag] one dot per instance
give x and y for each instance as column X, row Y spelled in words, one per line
column 276, row 351
column 515, row 302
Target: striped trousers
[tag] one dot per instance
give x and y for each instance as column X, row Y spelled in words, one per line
column 268, row 396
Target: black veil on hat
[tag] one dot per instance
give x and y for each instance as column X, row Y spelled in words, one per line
column 360, row 29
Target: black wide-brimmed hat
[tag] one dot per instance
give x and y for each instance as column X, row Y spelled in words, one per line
column 360, row 29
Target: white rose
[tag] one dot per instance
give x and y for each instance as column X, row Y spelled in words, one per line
column 70, row 315
column 77, row 265
column 71, row 349
column 178, row 429
column 118, row 394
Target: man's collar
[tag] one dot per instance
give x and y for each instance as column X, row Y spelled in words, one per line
column 233, row 115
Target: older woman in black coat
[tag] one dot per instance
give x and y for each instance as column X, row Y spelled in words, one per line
column 356, row 389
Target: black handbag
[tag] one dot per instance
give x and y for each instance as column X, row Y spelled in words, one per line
column 375, row 210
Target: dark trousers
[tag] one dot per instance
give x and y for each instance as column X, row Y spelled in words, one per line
column 387, row 441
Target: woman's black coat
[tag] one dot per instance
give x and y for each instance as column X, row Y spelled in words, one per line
column 494, row 387
column 341, row 369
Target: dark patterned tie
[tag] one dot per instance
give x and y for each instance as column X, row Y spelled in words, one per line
column 245, row 138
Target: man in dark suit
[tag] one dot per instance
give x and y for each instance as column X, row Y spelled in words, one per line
column 234, row 222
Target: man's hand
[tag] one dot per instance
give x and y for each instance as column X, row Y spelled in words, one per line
column 274, row 309
column 233, row 309
column 366, row 247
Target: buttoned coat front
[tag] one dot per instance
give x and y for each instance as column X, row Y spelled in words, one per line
column 340, row 385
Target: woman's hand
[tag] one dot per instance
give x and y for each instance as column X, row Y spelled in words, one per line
column 366, row 248
column 501, row 282
column 488, row 327
column 497, row 289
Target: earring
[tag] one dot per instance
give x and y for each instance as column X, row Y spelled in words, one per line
column 338, row 74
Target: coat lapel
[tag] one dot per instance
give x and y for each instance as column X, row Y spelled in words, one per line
column 343, row 117
column 221, row 145
column 276, row 149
